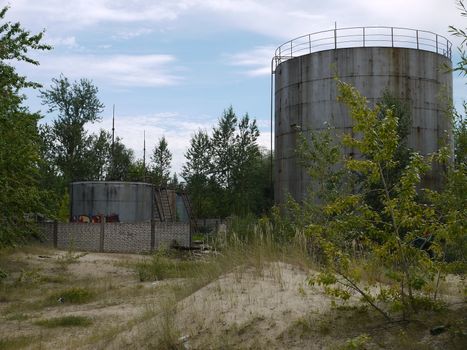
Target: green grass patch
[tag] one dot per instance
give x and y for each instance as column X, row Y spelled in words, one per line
column 18, row 316
column 65, row 321
column 17, row 342
column 71, row 296
column 161, row 267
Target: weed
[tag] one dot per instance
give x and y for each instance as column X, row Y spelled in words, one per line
column 71, row 296
column 324, row 327
column 30, row 277
column 303, row 326
column 17, row 317
column 14, row 343
column 169, row 335
column 65, row 321
column 356, row 343
column 161, row 267
column 69, row 258
column 301, row 292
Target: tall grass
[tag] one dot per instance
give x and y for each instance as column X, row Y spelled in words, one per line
column 249, row 244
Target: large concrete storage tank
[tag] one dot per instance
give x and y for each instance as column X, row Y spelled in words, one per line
column 409, row 64
column 127, row 201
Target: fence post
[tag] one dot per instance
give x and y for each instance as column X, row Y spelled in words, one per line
column 55, row 233
column 153, row 235
column 102, row 232
column 363, row 36
column 392, row 37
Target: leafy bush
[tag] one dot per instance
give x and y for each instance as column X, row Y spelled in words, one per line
column 400, row 241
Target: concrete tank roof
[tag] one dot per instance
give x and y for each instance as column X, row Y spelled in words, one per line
column 372, row 36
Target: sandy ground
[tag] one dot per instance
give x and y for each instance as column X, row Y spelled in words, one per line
column 249, row 308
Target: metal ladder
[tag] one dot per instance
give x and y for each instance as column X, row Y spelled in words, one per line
column 189, row 210
column 163, row 212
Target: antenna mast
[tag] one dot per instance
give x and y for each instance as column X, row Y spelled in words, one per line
column 144, row 155
column 113, row 141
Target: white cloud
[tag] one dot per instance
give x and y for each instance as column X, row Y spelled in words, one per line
column 257, row 62
column 117, row 70
column 80, row 13
column 68, row 41
column 131, row 34
column 276, row 18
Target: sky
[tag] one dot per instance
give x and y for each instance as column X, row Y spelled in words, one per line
column 171, row 67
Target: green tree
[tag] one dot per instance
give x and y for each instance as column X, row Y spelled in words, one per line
column 196, row 173
column 161, row 159
column 20, row 145
column 198, row 157
column 75, row 104
column 138, row 171
column 120, row 162
column 224, row 172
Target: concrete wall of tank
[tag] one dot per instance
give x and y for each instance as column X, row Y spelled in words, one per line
column 131, row 201
column 305, row 98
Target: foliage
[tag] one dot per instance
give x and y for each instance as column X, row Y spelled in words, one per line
column 137, row 171
column 451, row 203
column 75, row 154
column 461, row 66
column 226, row 172
column 388, row 237
column 121, row 162
column 20, row 194
column 161, row 159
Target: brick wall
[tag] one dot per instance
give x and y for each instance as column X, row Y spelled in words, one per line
column 168, row 233
column 78, row 236
column 47, row 232
column 116, row 237
column 127, row 238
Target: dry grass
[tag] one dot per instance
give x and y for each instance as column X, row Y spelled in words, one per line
column 251, row 296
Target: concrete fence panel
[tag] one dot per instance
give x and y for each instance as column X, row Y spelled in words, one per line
column 127, row 237
column 116, row 237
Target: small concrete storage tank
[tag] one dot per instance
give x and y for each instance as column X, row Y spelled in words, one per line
column 124, row 201
column 409, row 64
